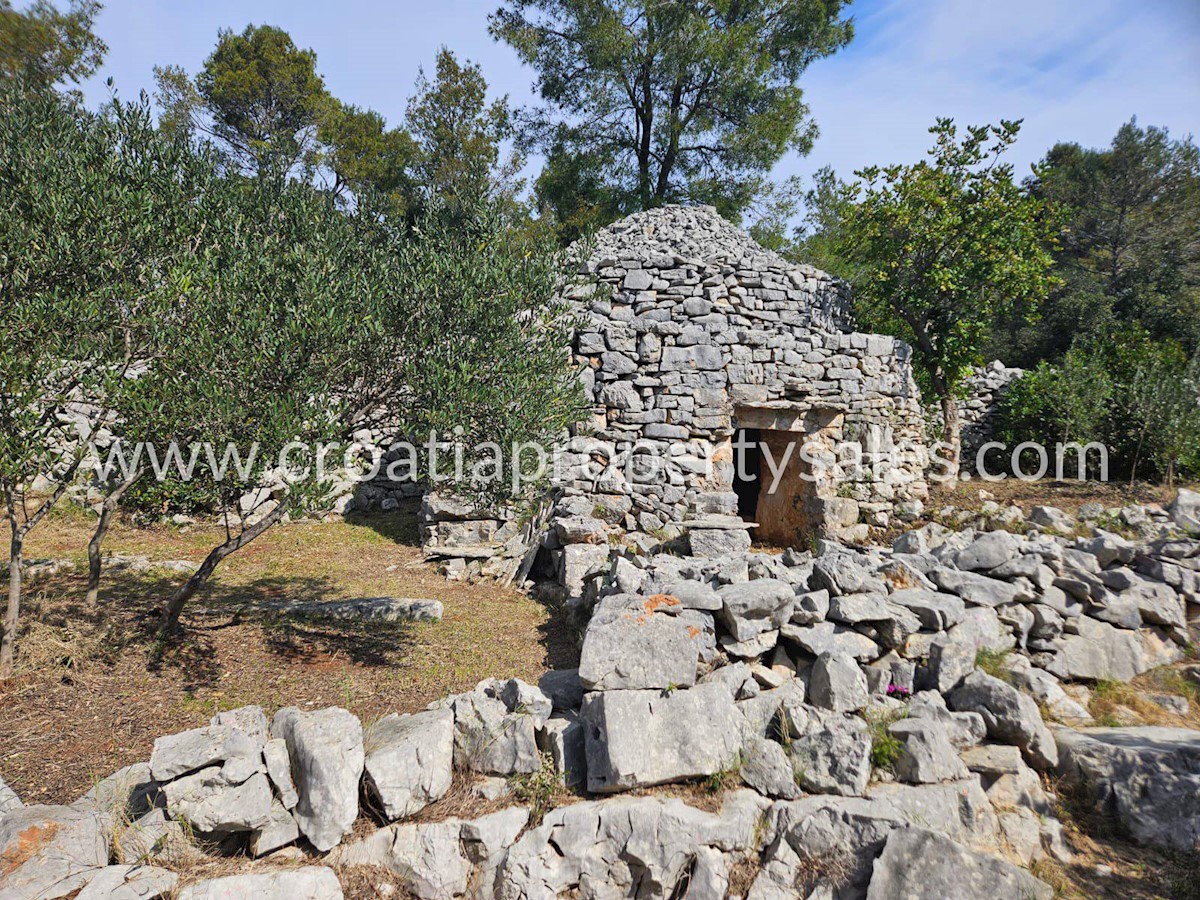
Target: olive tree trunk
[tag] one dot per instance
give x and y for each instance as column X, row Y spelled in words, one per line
column 174, row 606
column 107, row 509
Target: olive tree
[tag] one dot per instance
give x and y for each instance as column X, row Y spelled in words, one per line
column 89, row 209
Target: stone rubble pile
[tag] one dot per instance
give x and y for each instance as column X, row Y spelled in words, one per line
column 876, row 722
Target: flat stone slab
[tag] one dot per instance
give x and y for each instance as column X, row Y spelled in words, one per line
column 1149, row 778
column 919, row 863
column 373, row 609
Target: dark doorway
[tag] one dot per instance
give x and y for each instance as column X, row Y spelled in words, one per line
column 747, row 460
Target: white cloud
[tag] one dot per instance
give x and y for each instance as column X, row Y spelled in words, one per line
column 1073, row 71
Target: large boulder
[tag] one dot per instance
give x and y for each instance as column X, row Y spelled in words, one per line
column 439, row 860
column 837, row 683
column 1148, row 778
column 1098, row 651
column 641, row 738
column 830, row 751
column 235, row 737
column 210, row 804
column 936, row 611
column 138, row 882
column 919, row 863
column 304, row 883
column 927, row 756
column 410, row 760
column 1009, row 715
column 326, row 752
column 631, row 847
column 976, row 589
column 496, row 724
column 638, row 647
column 1185, row 510
column 51, row 851
column 754, row 607
column 988, row 551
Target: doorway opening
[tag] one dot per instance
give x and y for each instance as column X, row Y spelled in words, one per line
column 747, row 461
column 775, row 487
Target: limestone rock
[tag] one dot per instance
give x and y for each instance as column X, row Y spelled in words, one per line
column 50, row 851
column 326, row 752
column 209, row 804
column 1099, row 651
column 1009, row 716
column 837, row 683
column 831, row 752
column 920, row 863
column 231, row 739
column 563, row 688
column 409, row 760
column 638, row 649
column 1185, row 511
column 305, row 883
column 8, row 799
column 625, row 847
column 129, row 883
column 495, row 730
column 642, row 738
column 1148, row 777
column 927, row 757
column 279, row 831
column 988, row 551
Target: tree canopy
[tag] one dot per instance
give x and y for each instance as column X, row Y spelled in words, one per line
column 647, row 103
column 941, row 248
column 1128, row 253
column 44, row 47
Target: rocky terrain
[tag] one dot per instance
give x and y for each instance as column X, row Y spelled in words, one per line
column 865, row 722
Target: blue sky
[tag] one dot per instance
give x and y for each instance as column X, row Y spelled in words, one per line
column 1072, row 69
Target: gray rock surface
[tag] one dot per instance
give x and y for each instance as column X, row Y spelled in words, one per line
column 831, row 752
column 636, row 649
column 209, row 804
column 373, row 609
column 1009, row 716
column 495, row 727
column 409, row 760
column 837, row 683
column 51, row 851
column 326, row 752
column 1185, row 511
column 642, row 738
column 129, row 883
column 1147, row 777
column 916, row 863
column 304, row 883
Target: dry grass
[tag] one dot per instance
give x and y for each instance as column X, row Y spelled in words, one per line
column 1112, row 701
column 1135, row 873
column 90, row 698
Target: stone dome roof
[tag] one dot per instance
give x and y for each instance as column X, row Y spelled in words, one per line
column 688, row 232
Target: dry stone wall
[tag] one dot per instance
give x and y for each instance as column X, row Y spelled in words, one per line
column 690, row 331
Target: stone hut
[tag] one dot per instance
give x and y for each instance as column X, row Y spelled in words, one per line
column 705, row 353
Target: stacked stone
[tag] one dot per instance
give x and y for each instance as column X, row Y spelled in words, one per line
column 686, row 319
column 763, row 676
column 472, row 543
column 979, row 411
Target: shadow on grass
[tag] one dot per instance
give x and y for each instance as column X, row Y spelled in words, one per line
column 398, row 526
column 59, row 624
